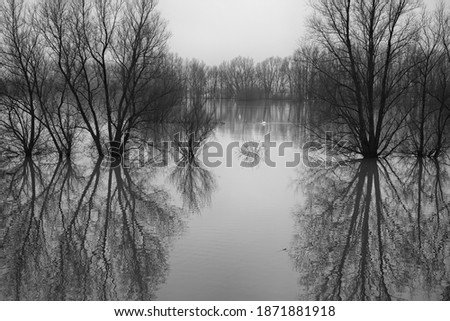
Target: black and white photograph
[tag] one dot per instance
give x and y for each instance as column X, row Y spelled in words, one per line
column 225, row 150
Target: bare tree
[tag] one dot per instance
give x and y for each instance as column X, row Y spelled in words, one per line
column 238, row 75
column 269, row 76
column 197, row 78
column 213, row 78
column 61, row 24
column 430, row 63
column 362, row 46
column 440, row 91
column 138, row 51
column 22, row 59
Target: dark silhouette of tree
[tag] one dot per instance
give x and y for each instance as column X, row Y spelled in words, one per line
column 111, row 54
column 23, row 60
column 362, row 66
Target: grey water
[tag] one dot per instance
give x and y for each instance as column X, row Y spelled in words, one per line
column 369, row 230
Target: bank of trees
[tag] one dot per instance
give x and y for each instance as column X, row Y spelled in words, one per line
column 99, row 68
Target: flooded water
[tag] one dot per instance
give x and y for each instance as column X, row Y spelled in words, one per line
column 233, row 248
column 365, row 231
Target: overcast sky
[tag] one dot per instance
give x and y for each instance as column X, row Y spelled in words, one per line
column 217, row 30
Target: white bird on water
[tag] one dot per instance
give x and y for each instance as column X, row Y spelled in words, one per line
column 263, row 123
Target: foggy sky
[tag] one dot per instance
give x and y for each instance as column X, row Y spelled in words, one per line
column 217, row 30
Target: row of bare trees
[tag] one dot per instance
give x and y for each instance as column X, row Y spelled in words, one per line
column 101, row 69
column 242, row 78
column 96, row 67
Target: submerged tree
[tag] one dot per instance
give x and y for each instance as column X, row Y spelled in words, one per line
column 101, row 66
column 23, row 60
column 362, row 63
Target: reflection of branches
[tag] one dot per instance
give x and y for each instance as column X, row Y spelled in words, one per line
column 196, row 125
column 93, row 237
column 194, row 182
column 143, row 245
column 363, row 238
column 24, row 233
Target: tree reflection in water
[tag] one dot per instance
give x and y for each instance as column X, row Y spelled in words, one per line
column 375, row 231
column 193, row 180
column 72, row 233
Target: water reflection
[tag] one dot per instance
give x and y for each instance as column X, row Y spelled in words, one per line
column 243, row 120
column 374, row 231
column 83, row 233
column 190, row 176
column 368, row 231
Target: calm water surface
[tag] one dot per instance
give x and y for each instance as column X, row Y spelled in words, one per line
column 366, row 231
column 233, row 248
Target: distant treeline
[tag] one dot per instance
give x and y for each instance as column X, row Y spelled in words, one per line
column 241, row 78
